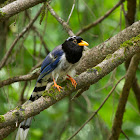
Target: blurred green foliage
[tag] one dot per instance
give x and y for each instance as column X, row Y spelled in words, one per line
column 61, row 120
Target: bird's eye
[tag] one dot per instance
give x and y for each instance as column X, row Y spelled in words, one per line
column 75, row 41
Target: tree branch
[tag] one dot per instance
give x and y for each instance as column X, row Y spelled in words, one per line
column 130, row 75
column 130, row 16
column 99, row 20
column 27, row 77
column 95, row 113
column 41, row 39
column 97, row 54
column 127, row 50
column 61, row 21
column 136, row 89
column 5, row 58
column 4, row 132
column 16, row 7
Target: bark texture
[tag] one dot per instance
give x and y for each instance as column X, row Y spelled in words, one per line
column 16, row 7
column 91, row 76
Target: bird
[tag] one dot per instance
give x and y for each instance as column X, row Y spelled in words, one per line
column 59, row 63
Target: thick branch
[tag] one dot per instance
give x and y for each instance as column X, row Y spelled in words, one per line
column 17, row 7
column 98, row 53
column 127, row 50
column 4, row 132
column 95, row 55
column 130, row 16
column 130, row 75
column 136, row 89
column 135, row 85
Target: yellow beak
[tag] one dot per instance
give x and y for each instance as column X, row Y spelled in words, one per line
column 83, row 43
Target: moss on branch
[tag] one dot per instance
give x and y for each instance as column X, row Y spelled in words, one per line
column 2, row 119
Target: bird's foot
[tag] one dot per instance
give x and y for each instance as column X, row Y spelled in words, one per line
column 72, row 81
column 57, row 86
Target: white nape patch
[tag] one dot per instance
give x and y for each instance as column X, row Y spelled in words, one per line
column 71, row 37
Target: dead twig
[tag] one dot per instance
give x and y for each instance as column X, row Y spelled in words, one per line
column 71, row 11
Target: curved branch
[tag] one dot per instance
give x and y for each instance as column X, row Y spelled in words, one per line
column 93, row 75
column 17, row 7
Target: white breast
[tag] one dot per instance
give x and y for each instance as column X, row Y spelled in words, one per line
column 63, row 68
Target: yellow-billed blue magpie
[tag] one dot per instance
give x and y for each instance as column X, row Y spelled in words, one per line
column 61, row 62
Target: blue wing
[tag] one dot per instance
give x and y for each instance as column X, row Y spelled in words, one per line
column 50, row 63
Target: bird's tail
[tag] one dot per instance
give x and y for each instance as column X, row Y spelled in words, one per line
column 23, row 129
column 25, row 125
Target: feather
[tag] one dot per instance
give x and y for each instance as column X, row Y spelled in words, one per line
column 49, row 64
column 58, row 63
column 23, row 129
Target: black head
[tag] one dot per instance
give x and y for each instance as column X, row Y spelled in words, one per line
column 73, row 48
column 76, row 41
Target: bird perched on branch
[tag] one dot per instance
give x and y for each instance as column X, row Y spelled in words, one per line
column 61, row 62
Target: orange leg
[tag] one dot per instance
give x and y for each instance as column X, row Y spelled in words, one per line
column 72, row 81
column 57, row 86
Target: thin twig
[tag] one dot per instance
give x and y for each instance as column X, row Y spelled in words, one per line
column 71, row 11
column 21, row 100
column 5, row 58
column 99, row 20
column 89, row 9
column 60, row 20
column 79, row 92
column 94, row 113
column 26, row 77
column 41, row 38
column 109, row 83
column 124, row 134
column 82, row 106
column 32, row 55
column 37, row 65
